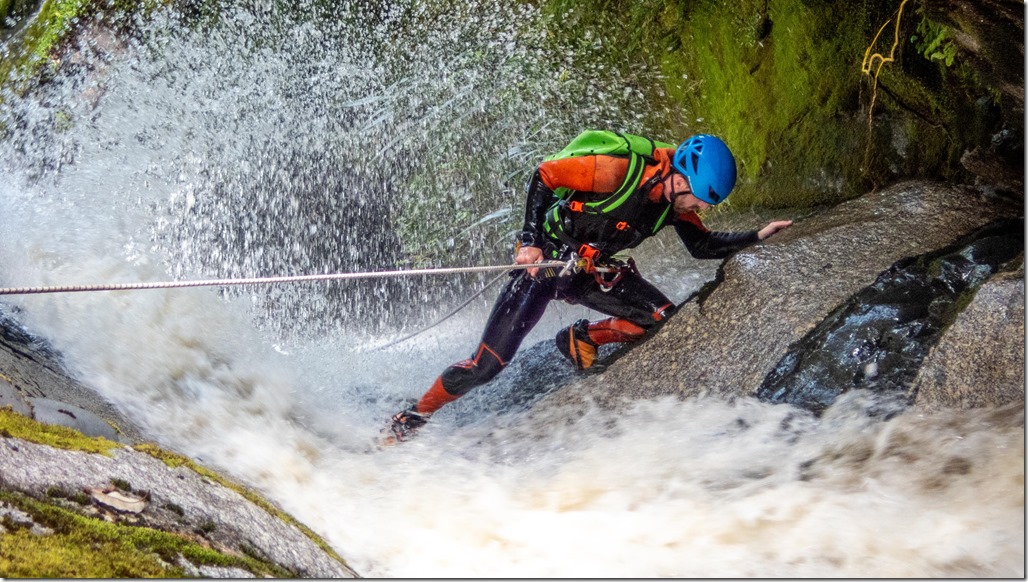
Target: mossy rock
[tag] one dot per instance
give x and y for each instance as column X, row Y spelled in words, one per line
column 782, row 81
column 192, row 518
column 64, row 544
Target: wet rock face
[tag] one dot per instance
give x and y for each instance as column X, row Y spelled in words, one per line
column 960, row 372
column 771, row 295
column 13, row 14
column 34, row 383
column 176, row 500
column 878, row 339
column 12, row 397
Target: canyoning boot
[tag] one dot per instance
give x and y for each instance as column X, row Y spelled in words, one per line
column 403, row 426
column 576, row 346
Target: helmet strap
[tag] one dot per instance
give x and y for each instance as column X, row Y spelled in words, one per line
column 673, row 193
column 669, row 184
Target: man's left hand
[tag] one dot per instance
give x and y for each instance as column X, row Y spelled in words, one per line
column 773, row 228
column 528, row 256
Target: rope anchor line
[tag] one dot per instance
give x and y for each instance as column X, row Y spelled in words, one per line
column 268, row 280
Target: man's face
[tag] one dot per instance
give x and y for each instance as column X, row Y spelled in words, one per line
column 677, row 188
column 689, row 203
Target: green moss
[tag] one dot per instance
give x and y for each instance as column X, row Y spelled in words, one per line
column 781, row 81
column 778, row 80
column 35, row 47
column 83, row 547
column 76, row 497
column 175, row 508
column 176, row 460
column 121, row 484
column 39, row 39
column 15, row 425
column 13, row 11
column 25, row 555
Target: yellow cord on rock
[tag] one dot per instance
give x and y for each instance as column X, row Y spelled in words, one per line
column 869, row 62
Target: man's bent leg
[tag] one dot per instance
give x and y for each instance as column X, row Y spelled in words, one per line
column 636, row 306
column 458, row 379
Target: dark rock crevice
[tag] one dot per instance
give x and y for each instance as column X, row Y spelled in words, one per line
column 878, row 338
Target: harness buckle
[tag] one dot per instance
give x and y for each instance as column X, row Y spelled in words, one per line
column 588, row 252
column 578, row 264
column 622, row 225
column 576, row 206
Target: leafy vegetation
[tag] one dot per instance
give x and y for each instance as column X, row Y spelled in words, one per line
column 933, row 41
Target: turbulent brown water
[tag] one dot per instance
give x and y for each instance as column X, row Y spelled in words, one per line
column 289, row 143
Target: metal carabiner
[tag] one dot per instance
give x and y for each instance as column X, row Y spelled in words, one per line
column 571, row 267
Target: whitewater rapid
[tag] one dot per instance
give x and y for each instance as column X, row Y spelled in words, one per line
column 701, row 488
column 669, row 488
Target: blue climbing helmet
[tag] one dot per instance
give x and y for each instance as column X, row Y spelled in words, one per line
column 709, row 166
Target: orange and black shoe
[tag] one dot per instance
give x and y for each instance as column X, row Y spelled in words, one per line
column 576, row 346
column 404, row 425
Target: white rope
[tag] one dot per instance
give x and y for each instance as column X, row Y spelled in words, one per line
column 268, row 280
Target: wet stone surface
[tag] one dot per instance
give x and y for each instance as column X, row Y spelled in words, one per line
column 767, row 298
column 957, row 372
column 34, row 382
column 878, row 339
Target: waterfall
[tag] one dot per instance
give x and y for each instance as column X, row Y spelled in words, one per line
column 324, row 138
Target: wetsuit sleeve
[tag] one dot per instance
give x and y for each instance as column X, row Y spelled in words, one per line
column 540, row 198
column 705, row 244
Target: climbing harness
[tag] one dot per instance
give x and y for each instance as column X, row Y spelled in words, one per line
column 607, row 276
column 607, row 271
column 269, row 280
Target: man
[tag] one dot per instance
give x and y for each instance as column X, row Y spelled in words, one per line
column 606, row 204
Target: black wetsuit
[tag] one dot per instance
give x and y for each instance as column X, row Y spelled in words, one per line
column 632, row 301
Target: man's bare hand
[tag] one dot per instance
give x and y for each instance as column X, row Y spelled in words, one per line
column 529, row 255
column 773, row 228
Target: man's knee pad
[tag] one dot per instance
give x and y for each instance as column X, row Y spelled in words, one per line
column 461, row 377
column 613, row 330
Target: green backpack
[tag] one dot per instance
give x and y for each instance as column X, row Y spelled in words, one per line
column 598, row 142
column 638, row 150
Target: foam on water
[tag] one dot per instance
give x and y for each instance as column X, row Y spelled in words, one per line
column 698, row 488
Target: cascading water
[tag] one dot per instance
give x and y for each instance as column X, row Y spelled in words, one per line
column 271, row 142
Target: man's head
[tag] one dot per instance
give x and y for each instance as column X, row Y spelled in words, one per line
column 708, row 165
